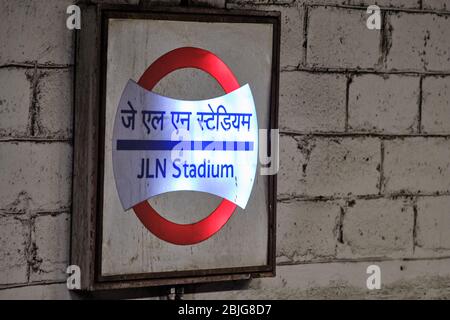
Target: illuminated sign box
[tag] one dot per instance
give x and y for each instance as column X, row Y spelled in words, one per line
column 169, row 103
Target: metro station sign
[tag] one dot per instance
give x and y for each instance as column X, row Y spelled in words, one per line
column 164, row 145
column 167, row 188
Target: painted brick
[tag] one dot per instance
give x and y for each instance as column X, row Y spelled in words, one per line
column 419, row 165
column 378, row 227
column 35, row 176
column 13, row 241
column 163, row 2
column 55, row 103
column 306, row 230
column 51, row 237
column 244, row 3
column 322, row 2
column 413, row 279
column 436, row 4
column 419, row 42
column 328, row 166
column 436, row 105
column 291, row 30
column 410, row 4
column 15, row 100
column 310, row 2
column 312, row 102
column 433, row 224
column 119, row 1
column 384, row 104
column 33, row 30
column 209, row 3
column 57, row 291
column 339, row 38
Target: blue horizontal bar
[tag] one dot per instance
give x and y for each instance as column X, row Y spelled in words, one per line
column 169, row 145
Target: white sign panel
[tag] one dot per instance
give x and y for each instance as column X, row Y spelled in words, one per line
column 163, row 145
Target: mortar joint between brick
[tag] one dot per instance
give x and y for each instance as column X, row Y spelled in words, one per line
column 340, row 227
column 414, row 230
column 36, row 139
column 305, row 34
column 418, row 10
column 382, row 177
column 363, row 259
column 35, row 122
column 29, row 246
column 33, row 65
column 32, row 109
column 31, row 284
column 289, row 198
column 334, row 70
column 33, row 260
column 385, row 39
column 355, row 134
column 419, row 115
column 347, row 95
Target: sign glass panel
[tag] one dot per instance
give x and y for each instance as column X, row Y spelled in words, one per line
column 127, row 246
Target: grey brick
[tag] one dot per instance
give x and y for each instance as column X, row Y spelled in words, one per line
column 411, row 4
column 13, row 241
column 312, row 102
column 378, row 227
column 209, row 3
column 33, row 30
column 433, row 225
column 403, row 279
column 15, row 100
column 339, row 38
column 436, row 105
column 436, row 4
column 384, row 104
column 35, row 176
column 55, row 103
column 417, row 165
column 328, row 166
column 51, row 237
column 306, row 230
column 57, row 291
column 419, row 42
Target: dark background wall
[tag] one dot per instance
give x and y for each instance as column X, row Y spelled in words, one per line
column 365, row 150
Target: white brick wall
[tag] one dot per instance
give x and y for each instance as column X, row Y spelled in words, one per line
column 411, row 4
column 339, row 38
column 436, row 105
column 436, row 4
column 13, row 240
column 15, row 100
column 34, row 30
column 329, row 166
column 378, row 228
column 52, row 238
column 35, row 176
column 346, row 280
column 307, row 230
column 312, row 102
column 54, row 99
column 419, row 42
column 365, row 149
column 384, row 104
column 433, row 222
column 417, row 165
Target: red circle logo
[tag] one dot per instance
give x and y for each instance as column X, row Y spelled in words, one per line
column 187, row 234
